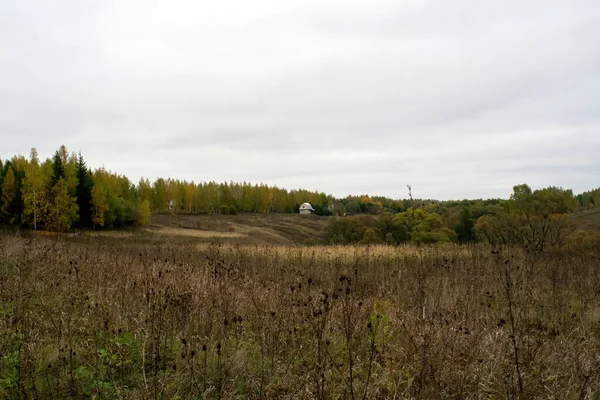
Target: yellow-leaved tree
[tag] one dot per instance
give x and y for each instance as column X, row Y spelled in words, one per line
column 143, row 213
column 99, row 205
column 34, row 195
column 63, row 209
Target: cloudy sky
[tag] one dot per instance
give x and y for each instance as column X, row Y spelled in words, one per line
column 459, row 98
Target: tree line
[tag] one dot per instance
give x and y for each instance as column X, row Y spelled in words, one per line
column 62, row 193
column 537, row 220
column 589, row 199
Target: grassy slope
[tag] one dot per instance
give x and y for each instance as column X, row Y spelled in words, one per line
column 243, row 228
column 255, row 229
column 588, row 219
column 280, row 228
column 277, row 229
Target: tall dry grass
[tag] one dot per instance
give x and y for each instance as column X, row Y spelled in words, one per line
column 120, row 319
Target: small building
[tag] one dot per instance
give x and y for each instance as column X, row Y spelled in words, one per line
column 306, row 208
column 172, row 205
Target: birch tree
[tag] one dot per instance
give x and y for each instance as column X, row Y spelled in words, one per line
column 34, row 196
column 99, row 205
column 63, row 207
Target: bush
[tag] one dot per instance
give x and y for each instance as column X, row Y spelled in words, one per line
column 585, row 238
column 228, row 210
column 370, row 237
column 310, row 242
column 389, row 239
column 338, row 239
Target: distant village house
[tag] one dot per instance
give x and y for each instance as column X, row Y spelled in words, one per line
column 306, row 208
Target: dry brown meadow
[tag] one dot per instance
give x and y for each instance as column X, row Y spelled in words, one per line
column 139, row 316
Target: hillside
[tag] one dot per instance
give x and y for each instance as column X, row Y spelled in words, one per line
column 588, row 219
column 286, row 229
column 255, row 229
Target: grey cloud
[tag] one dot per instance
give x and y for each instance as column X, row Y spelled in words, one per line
column 458, row 98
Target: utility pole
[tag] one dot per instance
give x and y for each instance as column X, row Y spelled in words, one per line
column 412, row 203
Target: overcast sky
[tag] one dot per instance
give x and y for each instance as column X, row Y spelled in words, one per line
column 460, row 99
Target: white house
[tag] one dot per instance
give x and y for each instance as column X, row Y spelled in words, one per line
column 306, row 208
column 172, row 205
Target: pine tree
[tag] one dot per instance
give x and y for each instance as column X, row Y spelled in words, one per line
column 19, row 164
column 58, row 169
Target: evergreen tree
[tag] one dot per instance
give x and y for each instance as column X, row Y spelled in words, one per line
column 83, row 193
column 58, row 169
column 9, row 190
column 465, row 230
column 19, row 164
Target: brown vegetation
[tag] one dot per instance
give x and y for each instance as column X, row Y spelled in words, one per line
column 276, row 229
column 587, row 219
column 120, row 318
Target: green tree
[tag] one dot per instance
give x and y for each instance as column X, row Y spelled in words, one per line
column 465, row 228
column 538, row 213
column 521, row 192
column 225, row 195
column 212, row 193
column 370, row 237
column 535, row 219
column 161, row 195
column 389, row 239
column 63, row 211
column 58, row 168
column 83, row 192
column 189, row 193
column 144, row 190
column 7, row 209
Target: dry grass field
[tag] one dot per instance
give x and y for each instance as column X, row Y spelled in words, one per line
column 588, row 219
column 272, row 229
column 201, row 230
column 162, row 315
column 253, row 229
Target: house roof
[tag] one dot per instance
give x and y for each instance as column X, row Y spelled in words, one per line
column 306, row 206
